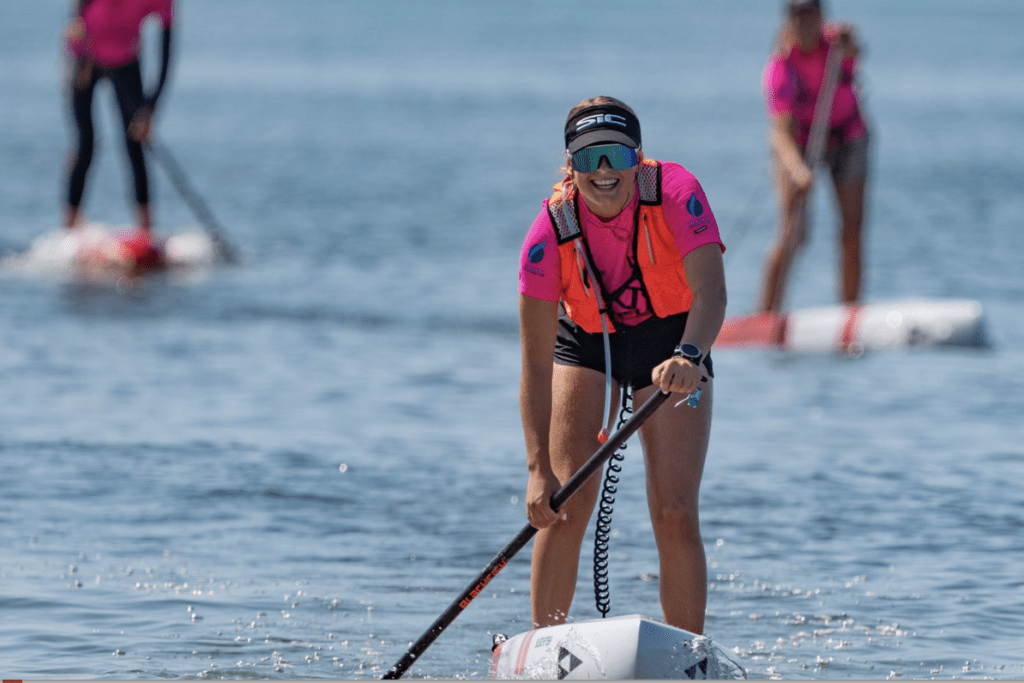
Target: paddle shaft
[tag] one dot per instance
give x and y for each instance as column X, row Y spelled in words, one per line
column 595, row 463
column 814, row 153
column 198, row 206
column 823, row 108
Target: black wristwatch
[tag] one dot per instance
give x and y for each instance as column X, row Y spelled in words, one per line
column 690, row 352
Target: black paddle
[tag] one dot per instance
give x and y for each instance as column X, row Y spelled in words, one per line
column 563, row 494
column 198, row 206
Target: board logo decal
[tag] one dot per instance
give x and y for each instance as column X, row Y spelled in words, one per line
column 567, row 662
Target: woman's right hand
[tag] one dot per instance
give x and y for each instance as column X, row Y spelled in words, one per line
column 789, row 154
column 539, row 489
column 802, row 176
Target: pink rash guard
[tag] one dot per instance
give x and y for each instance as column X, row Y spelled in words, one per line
column 113, row 27
column 685, row 208
column 792, row 83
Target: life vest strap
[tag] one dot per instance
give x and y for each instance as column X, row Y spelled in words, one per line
column 649, row 181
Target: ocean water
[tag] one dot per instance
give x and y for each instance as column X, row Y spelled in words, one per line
column 289, row 468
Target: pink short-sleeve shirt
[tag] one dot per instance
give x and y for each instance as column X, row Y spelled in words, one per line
column 113, row 27
column 792, row 83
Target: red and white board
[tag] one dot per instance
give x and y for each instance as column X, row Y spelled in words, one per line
column 620, row 648
column 96, row 251
column 856, row 328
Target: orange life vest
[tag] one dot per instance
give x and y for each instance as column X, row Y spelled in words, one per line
column 661, row 264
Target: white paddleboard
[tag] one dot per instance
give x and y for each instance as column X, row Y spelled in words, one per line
column 620, row 648
column 93, row 250
column 902, row 323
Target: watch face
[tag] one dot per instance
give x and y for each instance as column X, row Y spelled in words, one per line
column 689, row 351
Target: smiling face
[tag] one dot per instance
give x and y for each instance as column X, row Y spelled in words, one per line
column 606, row 191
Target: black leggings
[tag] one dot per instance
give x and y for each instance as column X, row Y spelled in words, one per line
column 127, row 83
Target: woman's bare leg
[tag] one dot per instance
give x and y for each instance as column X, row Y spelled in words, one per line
column 578, row 404
column 675, row 442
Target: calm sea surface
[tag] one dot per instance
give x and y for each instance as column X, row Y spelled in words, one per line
column 289, row 468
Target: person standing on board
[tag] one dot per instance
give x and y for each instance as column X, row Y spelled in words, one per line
column 103, row 41
column 793, row 80
column 639, row 235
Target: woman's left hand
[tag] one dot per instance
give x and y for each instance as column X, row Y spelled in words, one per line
column 140, row 125
column 676, row 375
column 846, row 39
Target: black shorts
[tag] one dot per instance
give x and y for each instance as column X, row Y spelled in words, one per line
column 636, row 349
column 848, row 161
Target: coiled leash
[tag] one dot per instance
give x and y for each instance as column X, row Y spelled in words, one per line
column 603, row 527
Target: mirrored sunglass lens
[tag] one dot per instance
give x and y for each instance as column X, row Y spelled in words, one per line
column 620, row 157
column 585, row 161
column 626, row 158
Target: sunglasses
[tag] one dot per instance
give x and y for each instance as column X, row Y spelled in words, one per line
column 620, row 157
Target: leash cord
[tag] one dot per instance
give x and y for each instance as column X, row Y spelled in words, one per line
column 603, row 527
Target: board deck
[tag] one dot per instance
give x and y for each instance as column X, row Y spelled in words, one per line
column 620, row 648
column 902, row 323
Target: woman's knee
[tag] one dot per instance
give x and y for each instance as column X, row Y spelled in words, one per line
column 791, row 241
column 575, row 514
column 678, row 519
column 134, row 148
column 86, row 138
column 850, row 241
column 81, row 156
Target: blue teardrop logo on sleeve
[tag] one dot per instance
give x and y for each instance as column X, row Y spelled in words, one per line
column 694, row 206
column 536, row 253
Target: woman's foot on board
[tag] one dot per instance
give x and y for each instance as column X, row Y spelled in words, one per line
column 72, row 216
